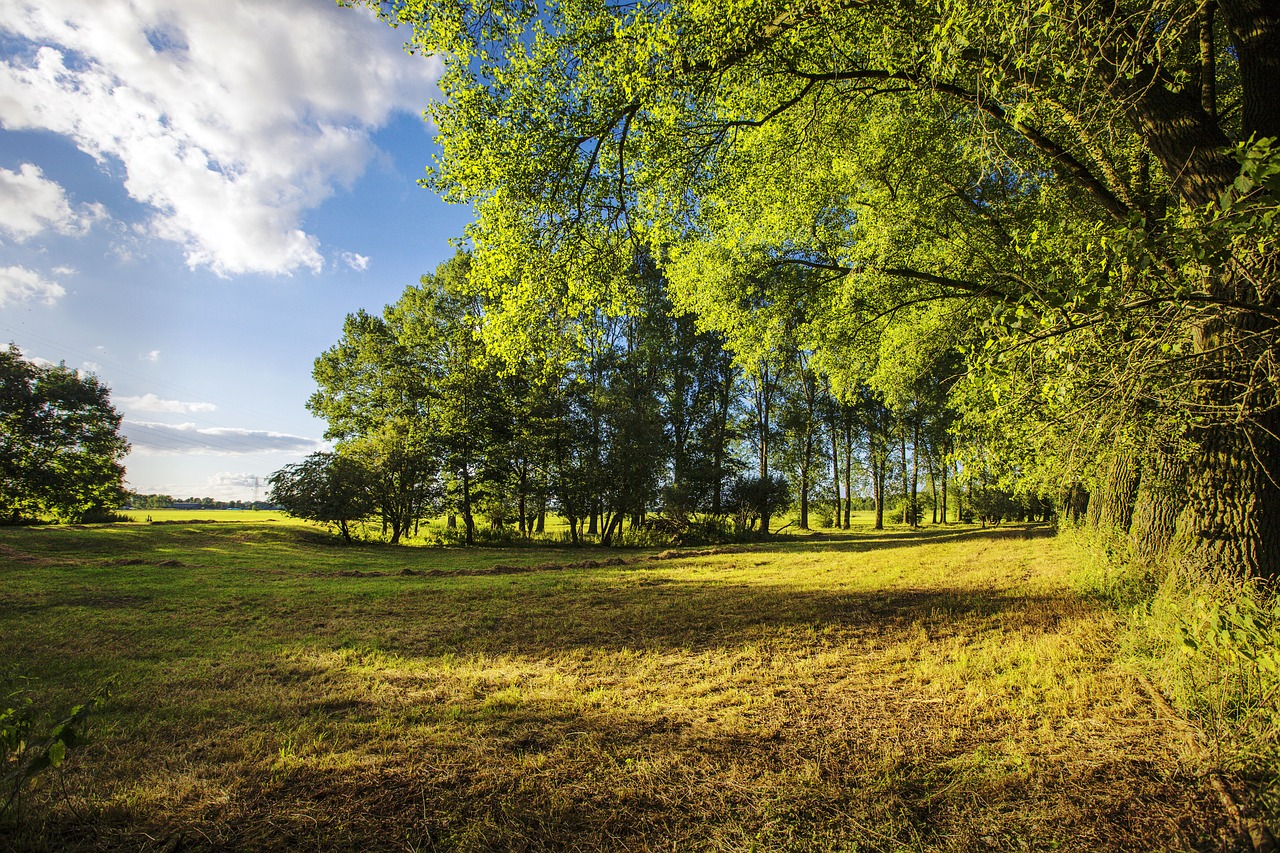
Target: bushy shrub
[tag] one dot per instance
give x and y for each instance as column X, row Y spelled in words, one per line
column 899, row 514
column 104, row 516
column 753, row 498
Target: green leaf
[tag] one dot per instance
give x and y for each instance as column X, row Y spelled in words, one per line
column 57, row 753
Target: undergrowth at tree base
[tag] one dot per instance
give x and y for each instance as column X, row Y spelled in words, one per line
column 1212, row 647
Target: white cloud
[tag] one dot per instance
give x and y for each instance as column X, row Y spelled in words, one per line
column 227, row 478
column 148, row 437
column 31, row 203
column 19, row 285
column 356, row 261
column 231, row 119
column 90, row 367
column 153, row 403
column 153, row 356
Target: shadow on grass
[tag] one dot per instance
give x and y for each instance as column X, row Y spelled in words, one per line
column 869, row 540
column 654, row 615
column 829, row 757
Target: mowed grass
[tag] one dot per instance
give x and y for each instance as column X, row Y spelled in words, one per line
column 940, row 690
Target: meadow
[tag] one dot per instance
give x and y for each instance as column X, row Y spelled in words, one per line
column 946, row 689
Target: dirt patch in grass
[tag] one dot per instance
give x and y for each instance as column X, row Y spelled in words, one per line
column 13, row 555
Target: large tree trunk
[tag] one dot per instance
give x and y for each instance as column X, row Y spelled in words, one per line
column 906, row 472
column 877, row 486
column 804, row 501
column 912, row 507
column 1161, row 497
column 945, row 450
column 522, row 499
column 835, row 466
column 848, row 475
column 1232, row 525
column 1112, row 506
column 1075, row 502
column 468, row 519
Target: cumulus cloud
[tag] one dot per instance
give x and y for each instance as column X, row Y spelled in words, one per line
column 230, row 139
column 153, row 403
column 149, row 437
column 31, row 203
column 152, row 356
column 357, row 262
column 19, row 285
column 227, row 478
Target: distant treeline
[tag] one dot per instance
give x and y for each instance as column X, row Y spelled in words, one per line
column 137, row 500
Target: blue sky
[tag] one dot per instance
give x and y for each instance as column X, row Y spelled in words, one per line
column 193, row 196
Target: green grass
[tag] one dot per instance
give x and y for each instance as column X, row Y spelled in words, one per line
column 938, row 690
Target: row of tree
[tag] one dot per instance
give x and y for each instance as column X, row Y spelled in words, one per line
column 622, row 420
column 139, row 500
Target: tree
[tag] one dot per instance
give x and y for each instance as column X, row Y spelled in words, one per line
column 1059, row 168
column 374, row 393
column 468, row 414
column 414, row 395
column 756, row 499
column 326, row 487
column 801, row 422
column 60, row 446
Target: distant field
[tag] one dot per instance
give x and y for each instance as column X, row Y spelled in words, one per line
column 239, row 515
column 939, row 690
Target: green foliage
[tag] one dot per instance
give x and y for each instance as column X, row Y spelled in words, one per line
column 326, row 487
column 906, row 512
column 30, row 745
column 757, row 499
column 991, row 504
column 1214, row 648
column 887, row 186
column 60, row 447
column 1233, row 667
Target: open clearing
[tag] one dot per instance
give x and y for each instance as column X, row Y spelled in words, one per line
column 942, row 690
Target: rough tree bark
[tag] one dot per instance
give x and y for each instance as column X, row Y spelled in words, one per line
column 1160, row 499
column 1112, row 506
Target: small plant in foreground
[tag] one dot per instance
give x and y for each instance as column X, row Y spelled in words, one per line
column 27, row 749
column 1233, row 646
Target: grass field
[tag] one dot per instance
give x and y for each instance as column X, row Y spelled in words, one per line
column 939, row 690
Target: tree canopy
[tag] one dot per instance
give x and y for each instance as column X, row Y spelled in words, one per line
column 327, row 488
column 1079, row 196
column 60, row 446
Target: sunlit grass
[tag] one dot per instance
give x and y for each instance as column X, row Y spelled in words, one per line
column 941, row 690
